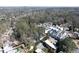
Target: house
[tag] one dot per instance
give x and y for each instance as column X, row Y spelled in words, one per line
column 57, row 28
column 53, row 33
column 51, row 42
column 53, row 30
column 63, row 35
column 76, row 34
column 57, row 32
column 59, row 35
column 47, row 24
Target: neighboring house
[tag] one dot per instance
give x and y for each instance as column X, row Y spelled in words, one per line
column 47, row 30
column 51, row 42
column 76, row 51
column 76, row 34
column 39, row 51
column 71, row 34
column 65, row 28
column 39, row 25
column 45, row 25
column 39, row 48
column 48, row 44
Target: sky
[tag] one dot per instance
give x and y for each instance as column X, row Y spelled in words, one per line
column 39, row 2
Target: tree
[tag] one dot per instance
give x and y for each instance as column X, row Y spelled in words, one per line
column 66, row 45
column 26, row 31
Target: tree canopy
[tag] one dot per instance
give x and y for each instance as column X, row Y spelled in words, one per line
column 66, row 45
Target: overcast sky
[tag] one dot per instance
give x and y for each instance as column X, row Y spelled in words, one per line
column 39, row 2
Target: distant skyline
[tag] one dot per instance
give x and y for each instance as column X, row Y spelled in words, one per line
column 39, row 3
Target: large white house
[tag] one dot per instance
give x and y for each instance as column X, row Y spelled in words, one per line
column 57, row 32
